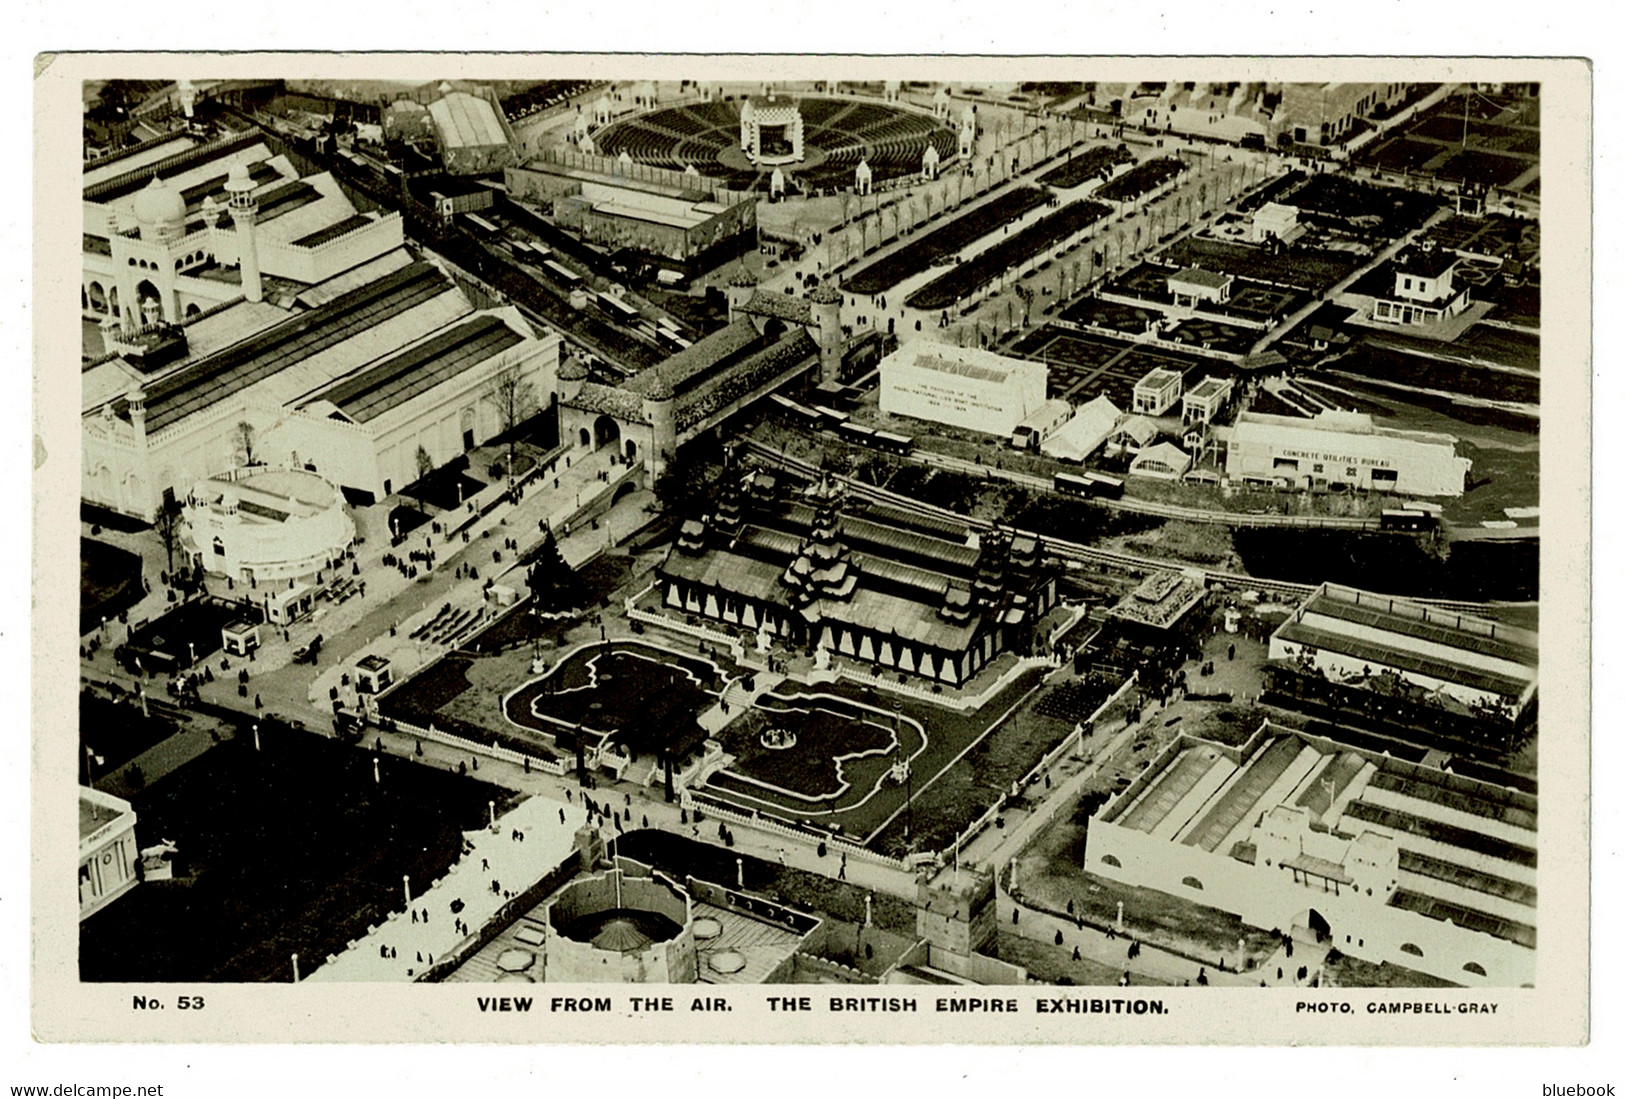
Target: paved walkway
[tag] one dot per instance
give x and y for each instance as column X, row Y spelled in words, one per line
column 498, row 862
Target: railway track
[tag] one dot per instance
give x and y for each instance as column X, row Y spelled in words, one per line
column 1071, row 551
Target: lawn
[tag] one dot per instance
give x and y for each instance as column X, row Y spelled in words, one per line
column 291, row 849
column 1342, row 200
column 971, row 786
column 186, row 630
column 109, row 582
column 601, row 692
column 950, row 731
column 830, row 739
column 116, row 732
column 1053, row 964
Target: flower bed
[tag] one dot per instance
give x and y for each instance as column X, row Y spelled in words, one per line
column 1142, row 179
column 941, row 244
column 970, row 276
column 1085, row 166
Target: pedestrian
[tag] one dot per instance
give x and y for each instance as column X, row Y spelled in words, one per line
column 485, row 864
column 1077, row 955
column 561, row 816
column 781, row 857
column 414, row 915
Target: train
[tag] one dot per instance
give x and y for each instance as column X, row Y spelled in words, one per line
column 818, row 417
column 1090, row 486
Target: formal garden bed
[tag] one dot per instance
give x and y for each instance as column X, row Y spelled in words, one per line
column 1142, row 179
column 1307, row 268
column 941, row 244
column 1095, row 163
column 602, row 689
column 837, row 745
column 968, row 277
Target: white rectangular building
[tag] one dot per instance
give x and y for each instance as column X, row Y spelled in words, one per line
column 1156, row 393
column 961, row 386
column 1344, row 448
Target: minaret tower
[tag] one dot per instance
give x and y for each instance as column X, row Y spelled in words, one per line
column 244, row 209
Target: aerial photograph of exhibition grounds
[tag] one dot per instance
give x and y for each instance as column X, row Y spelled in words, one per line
column 823, row 532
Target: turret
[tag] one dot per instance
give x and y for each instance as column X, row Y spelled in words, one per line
column 740, row 287
column 660, row 406
column 826, row 312
column 244, row 210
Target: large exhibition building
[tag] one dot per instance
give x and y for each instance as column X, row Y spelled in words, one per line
column 869, row 585
column 1386, row 861
column 364, row 379
column 1344, row 449
column 961, row 386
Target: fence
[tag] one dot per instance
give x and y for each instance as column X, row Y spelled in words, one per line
column 493, row 751
column 770, row 824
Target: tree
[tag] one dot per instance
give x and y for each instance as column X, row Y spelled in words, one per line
column 554, row 585
column 514, row 399
column 687, row 483
column 244, row 437
column 167, row 521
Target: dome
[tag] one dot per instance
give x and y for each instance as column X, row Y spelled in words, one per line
column 237, row 180
column 742, row 278
column 658, row 388
column 158, row 203
column 572, row 369
column 826, row 294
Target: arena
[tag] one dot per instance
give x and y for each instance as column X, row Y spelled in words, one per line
column 836, row 136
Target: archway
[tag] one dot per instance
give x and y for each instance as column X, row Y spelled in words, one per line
column 773, row 329
column 631, row 451
column 586, row 437
column 98, row 298
column 605, row 431
column 622, row 491
column 1310, row 924
column 192, row 310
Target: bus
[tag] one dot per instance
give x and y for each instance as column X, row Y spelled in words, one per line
column 800, row 412
column 563, row 274
column 1109, row 488
column 1408, row 519
column 618, row 309
column 894, row 443
column 482, row 227
column 1073, row 485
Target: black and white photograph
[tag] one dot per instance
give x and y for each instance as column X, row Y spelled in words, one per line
column 1049, row 552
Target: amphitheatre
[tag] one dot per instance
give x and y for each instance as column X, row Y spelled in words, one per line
column 839, row 134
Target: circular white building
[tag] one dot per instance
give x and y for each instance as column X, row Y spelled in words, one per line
column 617, row 928
column 267, row 524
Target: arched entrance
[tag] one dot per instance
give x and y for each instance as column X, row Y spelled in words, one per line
column 586, row 437
column 605, row 431
column 1310, row 926
column 631, row 451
